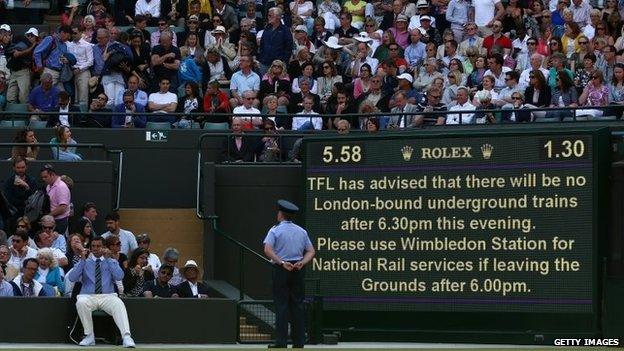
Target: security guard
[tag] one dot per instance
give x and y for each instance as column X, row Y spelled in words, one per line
column 290, row 249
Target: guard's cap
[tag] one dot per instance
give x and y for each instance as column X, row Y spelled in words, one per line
column 287, row 206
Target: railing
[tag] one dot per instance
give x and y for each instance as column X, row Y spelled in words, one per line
column 119, row 172
column 429, row 116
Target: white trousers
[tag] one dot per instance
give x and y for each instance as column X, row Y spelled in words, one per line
column 108, row 303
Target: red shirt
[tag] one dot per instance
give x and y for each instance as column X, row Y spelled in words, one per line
column 489, row 42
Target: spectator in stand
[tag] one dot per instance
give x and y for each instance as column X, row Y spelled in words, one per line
column 25, row 284
column 165, row 61
column 216, row 67
column 130, row 113
column 149, row 9
column 50, row 51
column 244, row 81
column 89, row 214
column 137, row 273
column 497, row 39
column 20, row 60
column 307, row 119
column 538, row 93
column 20, row 251
column 76, row 245
column 83, row 51
column 237, row 147
column 8, row 271
column 171, row 257
column 192, row 287
column 49, row 271
column 93, row 119
column 404, row 112
column 161, row 286
column 44, row 97
column 162, row 103
column 228, row 16
column 216, row 102
column 128, row 241
column 60, row 196
column 563, row 95
column 113, row 243
column 6, row 289
column 486, row 12
column 18, row 186
column 463, row 104
column 60, row 146
column 140, row 97
column 64, row 109
column 25, row 136
column 191, row 105
column 144, row 242
column 276, row 42
column 52, row 239
column 595, row 94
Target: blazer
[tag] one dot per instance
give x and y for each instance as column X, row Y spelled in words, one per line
column 53, row 121
column 229, row 152
column 38, row 289
column 464, row 45
column 119, row 121
column 409, row 112
column 184, row 289
column 543, row 99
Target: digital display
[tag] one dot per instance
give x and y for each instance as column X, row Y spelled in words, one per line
column 453, row 223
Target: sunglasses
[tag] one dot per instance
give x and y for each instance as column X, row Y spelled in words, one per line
column 342, row 129
column 531, row 43
column 394, row 49
column 370, row 25
column 116, row 244
column 46, row 227
column 249, row 98
column 162, row 24
column 192, row 22
column 516, row 98
column 21, row 226
column 102, row 98
column 583, row 42
column 326, row 67
column 531, row 77
column 435, row 96
column 166, row 273
column 552, row 44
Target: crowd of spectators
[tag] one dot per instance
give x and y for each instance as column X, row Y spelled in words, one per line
column 37, row 257
column 290, row 61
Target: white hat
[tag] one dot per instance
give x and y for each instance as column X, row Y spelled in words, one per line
column 6, row 27
column 483, row 95
column 406, row 76
column 422, row 4
column 402, row 18
column 190, row 264
column 219, row 29
column 32, row 31
column 301, row 28
column 425, row 18
column 332, row 42
column 72, row 3
column 363, row 37
column 422, row 30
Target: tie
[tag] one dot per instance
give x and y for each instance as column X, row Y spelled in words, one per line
column 4, row 267
column 27, row 290
column 98, row 277
column 471, row 41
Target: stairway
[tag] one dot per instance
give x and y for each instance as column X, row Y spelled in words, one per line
column 250, row 333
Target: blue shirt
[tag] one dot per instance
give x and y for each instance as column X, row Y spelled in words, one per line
column 276, row 44
column 98, row 60
column 415, row 53
column 457, row 12
column 242, row 83
column 84, row 272
column 140, row 97
column 288, row 240
column 45, row 48
column 45, row 101
column 6, row 289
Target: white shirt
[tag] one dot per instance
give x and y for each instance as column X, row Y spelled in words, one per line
column 128, row 241
column 499, row 81
column 484, row 11
column 372, row 62
column 63, row 117
column 297, row 122
column 466, row 118
column 83, row 51
column 589, row 31
column 246, row 112
column 154, row 261
column 415, row 22
column 142, row 7
column 162, row 98
column 194, row 290
column 17, row 261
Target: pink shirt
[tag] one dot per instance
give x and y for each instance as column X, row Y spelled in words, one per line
column 59, row 195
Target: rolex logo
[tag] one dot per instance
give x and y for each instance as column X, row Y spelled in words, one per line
column 407, row 151
column 486, row 150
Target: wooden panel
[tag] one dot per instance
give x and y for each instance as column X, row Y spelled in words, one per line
column 177, row 228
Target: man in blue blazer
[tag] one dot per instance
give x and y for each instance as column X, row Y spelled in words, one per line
column 127, row 117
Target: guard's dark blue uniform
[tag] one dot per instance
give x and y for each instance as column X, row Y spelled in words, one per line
column 289, row 242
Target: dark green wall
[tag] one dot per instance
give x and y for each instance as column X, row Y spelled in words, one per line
column 183, row 321
column 93, row 181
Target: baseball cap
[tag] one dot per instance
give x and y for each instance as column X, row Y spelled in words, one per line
column 32, row 31
column 6, row 27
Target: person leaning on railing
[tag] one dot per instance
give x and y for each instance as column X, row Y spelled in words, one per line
column 26, row 136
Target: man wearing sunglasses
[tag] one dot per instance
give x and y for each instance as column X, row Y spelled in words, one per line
column 161, row 286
